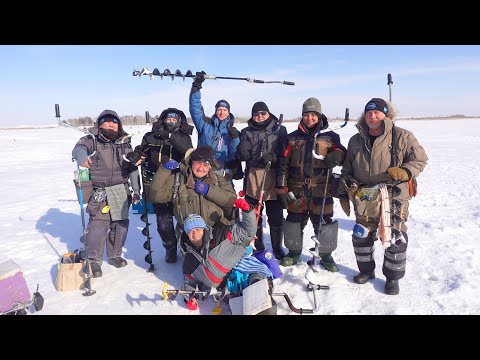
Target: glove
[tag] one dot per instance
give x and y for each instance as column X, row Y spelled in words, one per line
column 269, row 157
column 233, row 132
column 191, row 304
column 199, row 79
column 135, row 156
column 162, row 134
column 345, row 204
column 243, row 150
column 242, row 204
column 171, row 165
column 333, row 158
column 201, row 187
column 282, row 195
column 398, row 173
column 135, row 199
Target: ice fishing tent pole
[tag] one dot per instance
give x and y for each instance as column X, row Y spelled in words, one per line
column 86, row 266
column 190, row 74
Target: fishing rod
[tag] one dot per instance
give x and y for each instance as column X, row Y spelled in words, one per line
column 189, row 74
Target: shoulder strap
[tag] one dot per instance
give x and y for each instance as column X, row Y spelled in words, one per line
column 176, row 185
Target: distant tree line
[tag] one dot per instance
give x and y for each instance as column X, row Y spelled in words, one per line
column 128, row 120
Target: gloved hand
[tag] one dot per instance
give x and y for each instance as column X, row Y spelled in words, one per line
column 345, row 204
column 282, row 192
column 199, row 79
column 171, row 165
column 162, row 134
column 191, row 304
column 135, row 198
column 269, row 157
column 398, row 173
column 242, row 204
column 135, row 156
column 233, row 132
column 201, row 187
column 243, row 150
column 333, row 158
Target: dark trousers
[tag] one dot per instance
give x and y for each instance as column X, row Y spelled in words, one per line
column 165, row 228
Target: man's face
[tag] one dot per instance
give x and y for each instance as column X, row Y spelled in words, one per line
column 374, row 119
column 196, row 235
column 222, row 113
column 310, row 119
column 109, row 125
column 261, row 116
column 200, row 168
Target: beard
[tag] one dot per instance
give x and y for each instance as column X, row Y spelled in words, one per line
column 110, row 134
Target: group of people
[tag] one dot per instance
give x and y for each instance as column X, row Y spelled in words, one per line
column 215, row 229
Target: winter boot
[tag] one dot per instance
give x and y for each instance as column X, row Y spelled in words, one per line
column 171, row 254
column 117, row 261
column 259, row 245
column 362, row 278
column 276, row 237
column 391, row 287
column 96, row 269
column 292, row 258
column 328, row 263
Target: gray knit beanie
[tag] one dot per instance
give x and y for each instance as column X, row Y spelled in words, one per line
column 312, row 104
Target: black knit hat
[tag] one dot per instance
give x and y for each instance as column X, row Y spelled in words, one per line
column 203, row 153
column 259, row 106
column 222, row 103
column 377, row 104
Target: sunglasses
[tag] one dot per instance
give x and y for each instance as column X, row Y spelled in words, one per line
column 102, row 120
column 263, row 113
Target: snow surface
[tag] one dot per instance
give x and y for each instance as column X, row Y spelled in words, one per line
column 40, row 220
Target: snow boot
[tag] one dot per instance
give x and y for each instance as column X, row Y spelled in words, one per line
column 362, row 278
column 391, row 287
column 117, row 261
column 96, row 269
column 171, row 254
column 328, row 263
column 291, row 258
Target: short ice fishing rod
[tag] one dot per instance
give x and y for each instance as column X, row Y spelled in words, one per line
column 189, row 74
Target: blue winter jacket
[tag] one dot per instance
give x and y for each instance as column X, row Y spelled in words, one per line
column 213, row 132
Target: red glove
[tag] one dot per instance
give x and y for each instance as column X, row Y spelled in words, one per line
column 192, row 304
column 135, row 199
column 242, row 204
column 242, row 193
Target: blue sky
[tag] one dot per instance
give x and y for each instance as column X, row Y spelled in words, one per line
column 428, row 80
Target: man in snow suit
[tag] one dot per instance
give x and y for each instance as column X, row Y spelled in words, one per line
column 262, row 145
column 211, row 254
column 110, row 175
column 380, row 153
column 168, row 140
column 194, row 188
column 218, row 131
column 306, row 177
